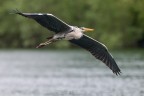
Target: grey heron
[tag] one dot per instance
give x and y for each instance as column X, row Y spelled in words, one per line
column 73, row 34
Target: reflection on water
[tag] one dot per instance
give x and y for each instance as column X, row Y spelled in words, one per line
column 69, row 73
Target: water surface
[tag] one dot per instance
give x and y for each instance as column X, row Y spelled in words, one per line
column 69, row 73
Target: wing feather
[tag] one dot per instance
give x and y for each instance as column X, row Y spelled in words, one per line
column 98, row 50
column 49, row 21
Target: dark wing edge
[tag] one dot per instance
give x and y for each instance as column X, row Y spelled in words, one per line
column 49, row 21
column 99, row 51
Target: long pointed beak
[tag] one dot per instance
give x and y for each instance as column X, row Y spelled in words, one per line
column 88, row 29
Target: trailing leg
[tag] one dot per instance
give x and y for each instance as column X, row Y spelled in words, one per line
column 50, row 40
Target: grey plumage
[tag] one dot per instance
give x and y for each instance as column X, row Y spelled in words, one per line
column 97, row 49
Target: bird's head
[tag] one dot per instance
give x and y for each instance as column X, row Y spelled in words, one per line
column 86, row 29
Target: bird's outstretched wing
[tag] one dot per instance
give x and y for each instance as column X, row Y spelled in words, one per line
column 49, row 21
column 98, row 50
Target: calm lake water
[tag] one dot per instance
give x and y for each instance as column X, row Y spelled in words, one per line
column 69, row 73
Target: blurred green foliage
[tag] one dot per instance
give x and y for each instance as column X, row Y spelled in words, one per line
column 117, row 23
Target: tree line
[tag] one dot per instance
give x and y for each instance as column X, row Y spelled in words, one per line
column 117, row 23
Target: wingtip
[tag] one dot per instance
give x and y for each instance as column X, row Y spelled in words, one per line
column 15, row 11
column 118, row 73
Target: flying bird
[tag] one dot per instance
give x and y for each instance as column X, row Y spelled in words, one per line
column 73, row 34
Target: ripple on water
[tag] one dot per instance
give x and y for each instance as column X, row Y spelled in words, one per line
column 70, row 73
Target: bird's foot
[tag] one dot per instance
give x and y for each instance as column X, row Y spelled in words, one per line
column 45, row 43
column 41, row 45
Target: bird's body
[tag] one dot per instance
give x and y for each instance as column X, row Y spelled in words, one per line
column 73, row 34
